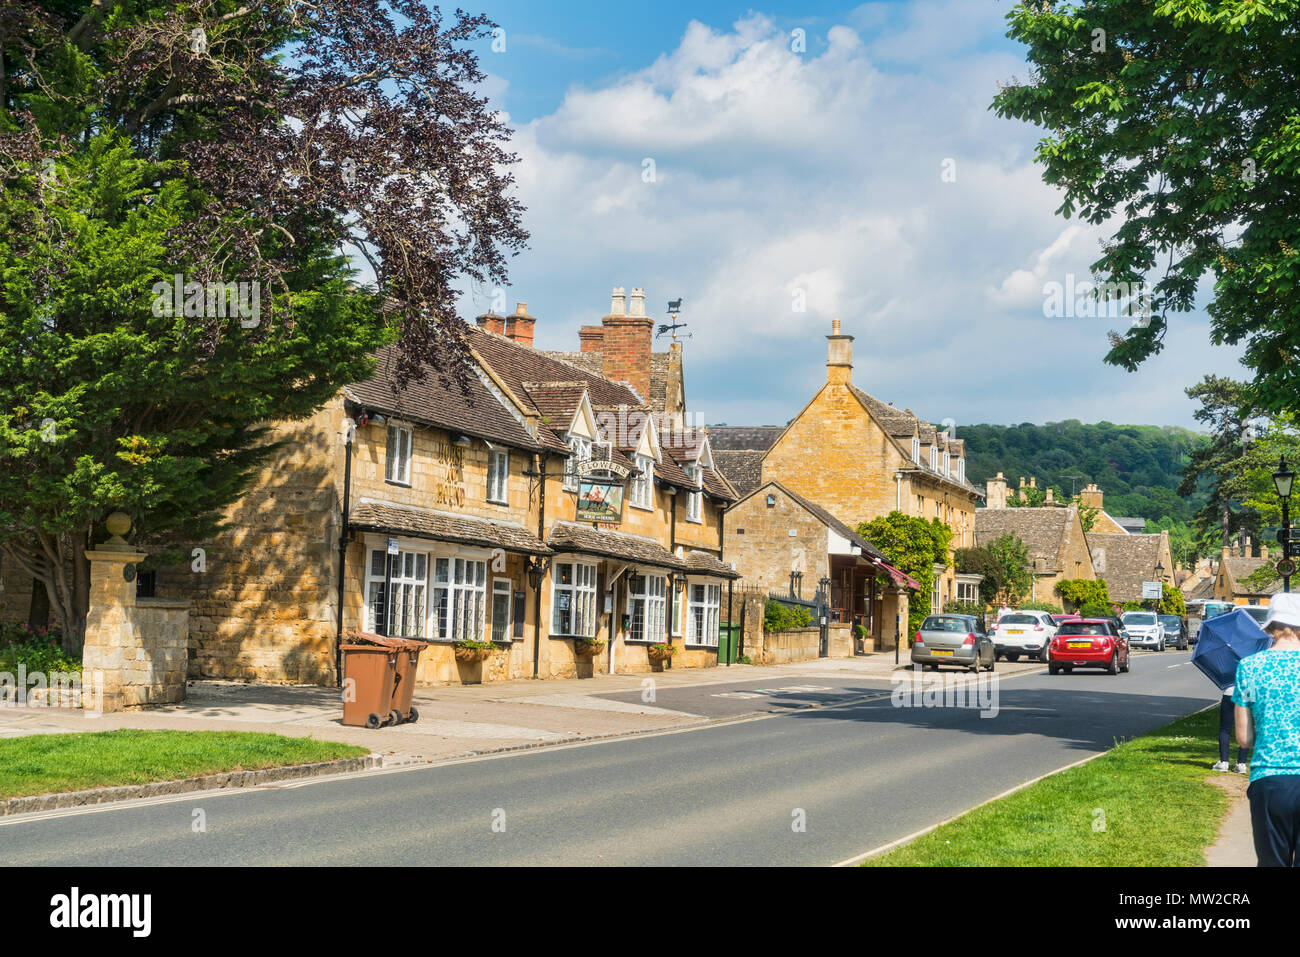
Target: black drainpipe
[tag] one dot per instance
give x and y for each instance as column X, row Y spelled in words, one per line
column 541, row 537
column 343, row 552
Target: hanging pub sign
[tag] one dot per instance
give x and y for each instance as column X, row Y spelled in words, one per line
column 600, row 491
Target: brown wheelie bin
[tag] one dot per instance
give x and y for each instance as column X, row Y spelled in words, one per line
column 369, row 673
column 408, row 651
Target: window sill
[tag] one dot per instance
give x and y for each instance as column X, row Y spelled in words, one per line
column 691, row 647
column 646, row 641
column 497, row 501
column 397, row 483
column 575, row 638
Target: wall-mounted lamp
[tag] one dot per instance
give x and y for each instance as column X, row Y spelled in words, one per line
column 771, row 501
column 679, row 582
column 536, row 568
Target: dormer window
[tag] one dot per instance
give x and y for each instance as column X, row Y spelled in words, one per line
column 916, row 450
column 961, row 470
column 947, row 463
column 580, row 451
column 695, row 499
column 641, row 493
column 934, row 458
column 397, row 457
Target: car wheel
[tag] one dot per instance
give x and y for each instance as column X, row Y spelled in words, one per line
column 975, row 666
column 1045, row 656
column 1011, row 657
column 1053, row 669
column 1113, row 667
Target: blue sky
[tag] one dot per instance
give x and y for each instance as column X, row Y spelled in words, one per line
column 793, row 187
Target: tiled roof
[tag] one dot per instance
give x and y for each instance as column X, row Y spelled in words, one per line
column 742, row 467
column 572, row 537
column 429, row 401
column 1043, row 530
column 732, row 438
column 375, row 516
column 556, row 401
column 1242, row 568
column 702, row 563
column 516, row 364
column 716, row 485
column 899, row 423
column 593, row 363
column 1129, row 561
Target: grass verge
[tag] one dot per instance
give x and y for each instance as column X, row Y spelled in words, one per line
column 1146, row 803
column 52, row 763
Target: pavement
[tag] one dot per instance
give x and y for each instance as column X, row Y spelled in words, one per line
column 810, row 775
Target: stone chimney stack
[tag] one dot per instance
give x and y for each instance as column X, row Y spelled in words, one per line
column 1049, row 500
column 519, row 326
column 995, row 492
column 839, row 356
column 1090, row 496
column 626, row 342
column 492, row 323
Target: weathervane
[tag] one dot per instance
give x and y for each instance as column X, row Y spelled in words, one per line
column 674, row 308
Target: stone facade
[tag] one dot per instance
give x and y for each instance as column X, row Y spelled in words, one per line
column 139, row 649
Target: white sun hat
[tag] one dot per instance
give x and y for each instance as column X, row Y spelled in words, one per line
column 1283, row 609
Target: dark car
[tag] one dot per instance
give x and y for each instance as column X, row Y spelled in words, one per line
column 1175, row 631
column 1088, row 643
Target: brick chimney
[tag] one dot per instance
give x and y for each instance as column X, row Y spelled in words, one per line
column 591, row 338
column 492, row 323
column 626, row 342
column 839, row 356
column 1091, row 496
column 995, row 492
column 519, row 326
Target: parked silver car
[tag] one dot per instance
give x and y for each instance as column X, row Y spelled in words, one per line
column 1144, row 630
column 953, row 640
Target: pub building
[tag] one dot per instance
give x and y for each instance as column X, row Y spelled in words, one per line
column 557, row 506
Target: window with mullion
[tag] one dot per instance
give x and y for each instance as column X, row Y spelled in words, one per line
column 397, row 459
column 573, row 599
column 647, row 601
column 498, row 477
column 703, row 609
column 459, row 598
column 406, row 600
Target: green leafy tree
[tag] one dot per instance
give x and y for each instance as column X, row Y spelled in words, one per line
column 913, row 545
column 1172, row 602
column 1225, row 407
column 224, row 142
column 1180, row 121
column 1005, row 565
column 1081, row 592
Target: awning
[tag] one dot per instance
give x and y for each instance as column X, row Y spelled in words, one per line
column 569, row 537
column 369, row 515
column 899, row 577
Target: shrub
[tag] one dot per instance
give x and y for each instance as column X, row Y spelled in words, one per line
column 37, row 649
column 778, row 617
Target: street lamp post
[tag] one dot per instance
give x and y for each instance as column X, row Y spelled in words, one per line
column 1282, row 480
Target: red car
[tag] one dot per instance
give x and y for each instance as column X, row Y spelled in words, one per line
column 1088, row 643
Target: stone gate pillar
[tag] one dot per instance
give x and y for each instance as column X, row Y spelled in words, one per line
column 110, row 651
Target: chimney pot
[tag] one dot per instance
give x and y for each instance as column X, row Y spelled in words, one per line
column 618, row 302
column 519, row 326
column 636, row 304
column 521, row 309
column 839, row 356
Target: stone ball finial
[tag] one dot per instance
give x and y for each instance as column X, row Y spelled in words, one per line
column 118, row 524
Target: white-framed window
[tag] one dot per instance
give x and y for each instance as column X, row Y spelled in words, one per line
column 406, row 602
column 459, row 598
column 947, row 463
column 498, row 476
column 702, row 615
column 694, row 499
column 641, row 494
column 502, row 594
column 961, row 470
column 916, row 449
column 397, row 460
column 647, row 606
column 934, row 458
column 936, row 605
column 573, row 599
column 581, row 452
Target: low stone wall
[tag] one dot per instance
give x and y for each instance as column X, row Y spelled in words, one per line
column 141, row 649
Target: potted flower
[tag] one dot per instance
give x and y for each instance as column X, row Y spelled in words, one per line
column 588, row 647
column 662, row 651
column 467, row 650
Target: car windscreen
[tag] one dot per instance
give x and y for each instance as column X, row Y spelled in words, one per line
column 1138, row 618
column 945, row 624
column 1259, row 613
column 1083, row 628
column 1173, row 621
column 1017, row 620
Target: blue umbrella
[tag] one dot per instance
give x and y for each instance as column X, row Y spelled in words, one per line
column 1224, row 641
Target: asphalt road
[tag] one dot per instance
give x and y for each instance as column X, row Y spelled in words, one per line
column 859, row 774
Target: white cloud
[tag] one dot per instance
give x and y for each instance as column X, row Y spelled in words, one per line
column 822, row 171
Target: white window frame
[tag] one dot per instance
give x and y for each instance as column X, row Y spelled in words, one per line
column 408, row 601
column 961, row 470
column 641, row 493
column 947, row 464
column 502, row 587
column 397, row 465
column 498, row 477
column 916, row 449
column 647, row 609
column 580, row 451
column 695, row 498
column 703, row 613
column 934, row 458
column 581, row 593
column 460, row 606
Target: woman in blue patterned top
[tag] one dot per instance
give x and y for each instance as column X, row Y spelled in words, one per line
column 1267, row 699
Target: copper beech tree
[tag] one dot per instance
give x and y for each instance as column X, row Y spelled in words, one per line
column 333, row 158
